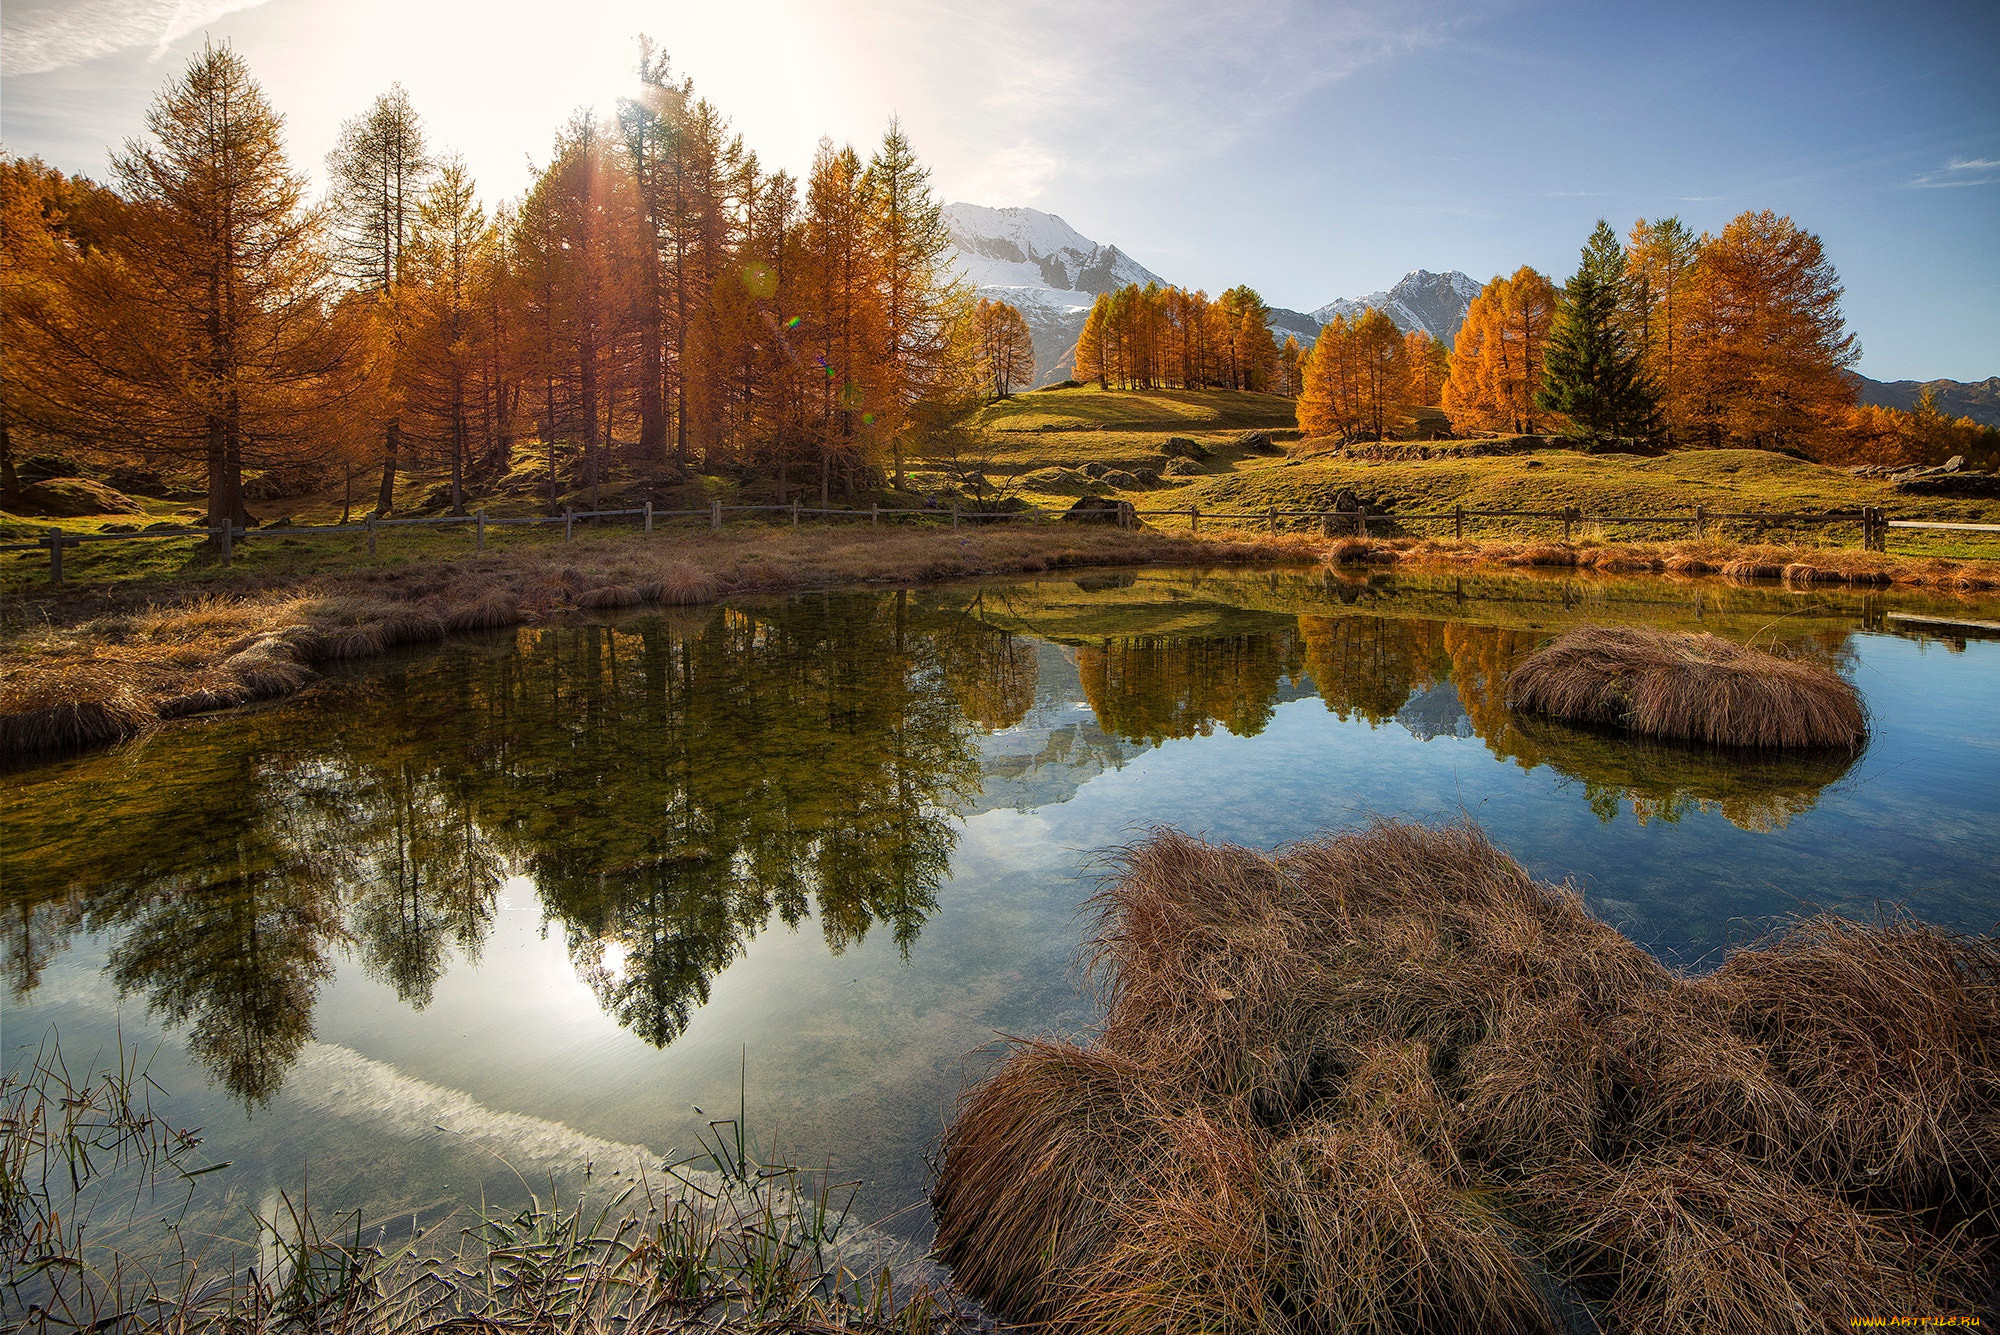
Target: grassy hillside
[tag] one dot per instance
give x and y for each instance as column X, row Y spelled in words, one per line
column 1037, row 444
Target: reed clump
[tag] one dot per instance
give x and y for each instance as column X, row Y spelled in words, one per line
column 1688, row 687
column 1387, row 1081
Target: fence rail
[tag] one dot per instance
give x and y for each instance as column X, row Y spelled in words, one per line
column 1874, row 522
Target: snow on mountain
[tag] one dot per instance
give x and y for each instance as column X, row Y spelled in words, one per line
column 1041, row 265
column 1433, row 302
column 1051, row 272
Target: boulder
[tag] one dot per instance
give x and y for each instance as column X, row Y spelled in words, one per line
column 1346, row 502
column 68, row 497
column 1119, row 478
column 1259, row 441
column 1963, row 486
column 1102, row 510
column 1182, row 468
column 1183, row 447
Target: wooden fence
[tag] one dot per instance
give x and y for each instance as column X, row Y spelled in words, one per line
column 1873, row 521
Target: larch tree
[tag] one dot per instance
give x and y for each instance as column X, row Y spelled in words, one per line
column 379, row 171
column 1592, row 375
column 1496, row 360
column 1004, row 348
column 1428, row 362
column 1767, row 347
column 1329, row 394
column 918, row 300
column 1092, row 361
column 204, row 328
column 1382, row 366
column 449, row 255
column 1659, row 264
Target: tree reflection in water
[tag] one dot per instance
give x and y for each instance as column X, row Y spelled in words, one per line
column 672, row 786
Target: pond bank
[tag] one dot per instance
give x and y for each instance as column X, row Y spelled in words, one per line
column 102, row 664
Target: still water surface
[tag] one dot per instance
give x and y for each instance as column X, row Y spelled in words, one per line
column 552, row 898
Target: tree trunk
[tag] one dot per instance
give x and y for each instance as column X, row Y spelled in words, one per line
column 10, row 484
column 392, row 443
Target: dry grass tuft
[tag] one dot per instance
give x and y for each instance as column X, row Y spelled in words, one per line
column 67, row 705
column 482, row 611
column 1388, row 1082
column 1689, row 687
column 681, row 584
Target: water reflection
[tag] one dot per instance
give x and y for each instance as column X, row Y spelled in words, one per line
column 673, row 786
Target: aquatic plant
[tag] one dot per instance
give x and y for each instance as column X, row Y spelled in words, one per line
column 1695, row 687
column 1387, row 1081
column 726, row 1240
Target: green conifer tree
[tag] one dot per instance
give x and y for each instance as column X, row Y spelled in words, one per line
column 1591, row 373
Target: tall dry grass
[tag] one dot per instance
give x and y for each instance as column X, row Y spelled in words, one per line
column 1387, row 1081
column 1689, row 687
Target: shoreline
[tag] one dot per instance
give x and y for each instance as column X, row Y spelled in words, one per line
column 133, row 656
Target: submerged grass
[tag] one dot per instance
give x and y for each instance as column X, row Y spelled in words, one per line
column 1388, row 1082
column 1689, row 687
column 725, row 1242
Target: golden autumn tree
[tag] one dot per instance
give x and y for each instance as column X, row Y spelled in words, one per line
column 449, row 257
column 205, row 324
column 1329, row 389
column 1004, row 348
column 1427, row 361
column 1767, row 347
column 1383, row 365
column 1496, row 361
column 380, row 169
column 1659, row 266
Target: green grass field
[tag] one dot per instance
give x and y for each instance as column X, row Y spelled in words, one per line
column 1033, row 447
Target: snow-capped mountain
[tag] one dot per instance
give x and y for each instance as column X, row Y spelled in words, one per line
column 1433, row 302
column 1051, row 272
column 1041, row 265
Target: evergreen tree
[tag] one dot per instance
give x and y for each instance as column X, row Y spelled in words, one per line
column 1591, row 373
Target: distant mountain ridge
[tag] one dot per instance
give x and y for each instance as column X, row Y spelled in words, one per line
column 1435, row 303
column 1052, row 273
column 1977, row 399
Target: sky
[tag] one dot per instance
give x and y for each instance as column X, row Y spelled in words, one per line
column 1311, row 148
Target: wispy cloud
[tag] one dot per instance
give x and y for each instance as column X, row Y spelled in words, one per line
column 1959, row 172
column 44, row 35
column 1130, row 88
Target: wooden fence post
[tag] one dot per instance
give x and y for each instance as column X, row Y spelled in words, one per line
column 1271, row 519
column 55, row 555
column 954, row 516
column 649, row 516
column 795, row 512
column 1361, row 521
column 1325, row 524
column 479, row 529
column 715, row 515
column 371, row 535
column 228, row 543
column 569, row 523
column 1458, row 521
column 874, row 516
column 1194, row 519
column 1569, row 512
column 1700, row 522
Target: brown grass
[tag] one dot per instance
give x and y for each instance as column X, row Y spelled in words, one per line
column 1690, row 687
column 1796, row 565
column 1388, row 1082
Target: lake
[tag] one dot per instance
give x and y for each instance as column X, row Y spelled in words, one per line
column 485, row 918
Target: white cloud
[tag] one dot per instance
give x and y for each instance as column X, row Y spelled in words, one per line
column 50, row 36
column 1960, row 172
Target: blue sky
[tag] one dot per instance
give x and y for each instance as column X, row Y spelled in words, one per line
column 1313, row 150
